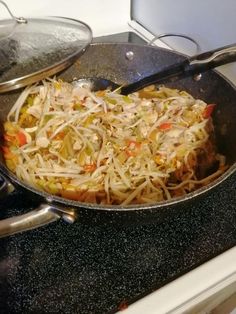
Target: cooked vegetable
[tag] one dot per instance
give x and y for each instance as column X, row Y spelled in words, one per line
column 21, row 138
column 208, row 111
column 107, row 148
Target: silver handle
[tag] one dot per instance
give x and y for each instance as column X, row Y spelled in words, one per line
column 40, row 216
column 160, row 36
column 214, row 55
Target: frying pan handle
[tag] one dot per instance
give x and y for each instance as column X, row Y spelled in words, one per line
column 42, row 215
column 194, row 65
column 211, row 59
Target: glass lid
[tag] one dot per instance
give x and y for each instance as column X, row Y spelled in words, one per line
column 34, row 48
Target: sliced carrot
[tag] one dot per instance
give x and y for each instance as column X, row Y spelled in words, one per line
column 133, row 148
column 134, row 144
column 7, row 153
column 59, row 135
column 208, row 111
column 90, row 168
column 71, row 195
column 165, row 126
column 21, row 138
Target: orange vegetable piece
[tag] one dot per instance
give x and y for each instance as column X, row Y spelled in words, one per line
column 7, row 152
column 208, row 111
column 90, row 168
column 59, row 135
column 21, row 138
column 165, row 126
column 71, row 195
column 133, row 148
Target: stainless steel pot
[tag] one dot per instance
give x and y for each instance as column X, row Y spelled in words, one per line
column 123, row 63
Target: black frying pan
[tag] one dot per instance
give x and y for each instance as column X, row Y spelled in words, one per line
column 112, row 61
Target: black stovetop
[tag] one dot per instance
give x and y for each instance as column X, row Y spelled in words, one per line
column 98, row 264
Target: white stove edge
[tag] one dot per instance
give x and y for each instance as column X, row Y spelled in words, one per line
column 182, row 294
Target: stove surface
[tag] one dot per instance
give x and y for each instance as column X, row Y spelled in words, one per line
column 99, row 265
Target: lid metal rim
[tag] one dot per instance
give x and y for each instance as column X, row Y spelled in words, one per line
column 29, row 79
column 39, row 75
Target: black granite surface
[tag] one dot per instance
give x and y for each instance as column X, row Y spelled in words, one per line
column 105, row 261
column 91, row 267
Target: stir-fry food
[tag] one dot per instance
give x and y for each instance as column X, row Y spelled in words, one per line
column 105, row 148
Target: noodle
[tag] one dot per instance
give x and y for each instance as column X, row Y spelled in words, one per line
column 108, row 148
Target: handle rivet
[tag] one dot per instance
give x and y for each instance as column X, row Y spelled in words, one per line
column 197, row 77
column 69, row 218
column 129, row 55
column 21, row 20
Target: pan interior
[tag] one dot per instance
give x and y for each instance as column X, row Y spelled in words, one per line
column 110, row 61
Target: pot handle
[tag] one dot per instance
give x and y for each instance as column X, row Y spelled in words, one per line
column 211, row 59
column 40, row 216
column 191, row 66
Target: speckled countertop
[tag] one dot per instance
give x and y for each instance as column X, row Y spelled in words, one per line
column 99, row 263
column 104, row 260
